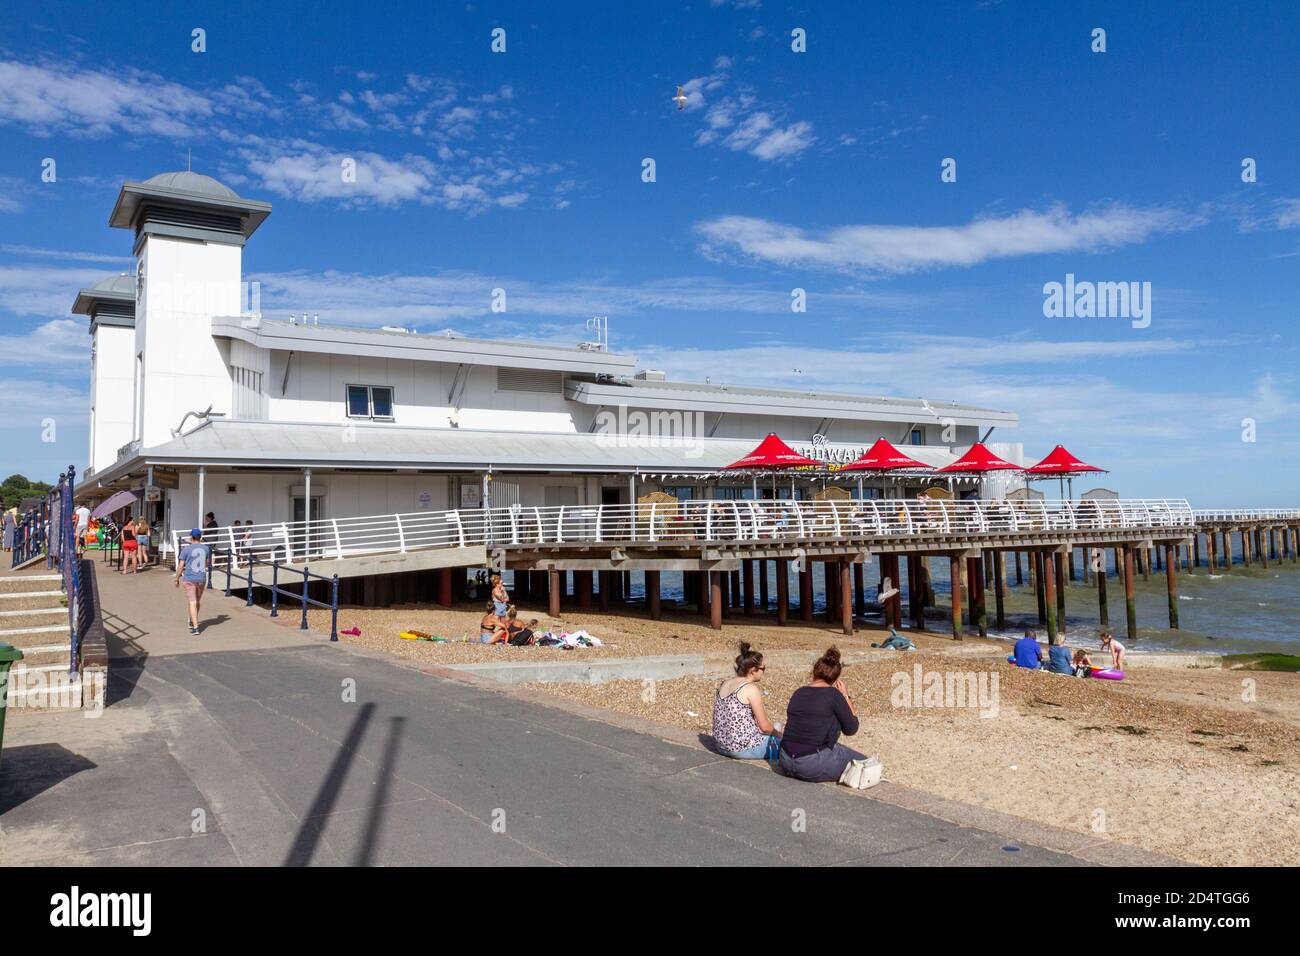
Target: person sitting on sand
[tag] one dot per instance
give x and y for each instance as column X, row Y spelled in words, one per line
column 817, row 714
column 1082, row 663
column 518, row 633
column 1108, row 643
column 491, row 628
column 1058, row 658
column 1027, row 653
column 500, row 596
column 741, row 728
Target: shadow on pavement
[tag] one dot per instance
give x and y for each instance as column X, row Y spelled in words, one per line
column 27, row 772
column 313, row 822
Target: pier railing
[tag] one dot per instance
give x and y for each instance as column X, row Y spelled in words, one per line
column 1246, row 514
column 695, row 521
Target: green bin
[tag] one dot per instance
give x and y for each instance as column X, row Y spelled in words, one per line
column 7, row 657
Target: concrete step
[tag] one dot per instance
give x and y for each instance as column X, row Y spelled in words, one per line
column 28, row 605
column 33, row 617
column 7, row 633
column 41, row 655
column 29, row 582
column 16, row 595
column 49, row 689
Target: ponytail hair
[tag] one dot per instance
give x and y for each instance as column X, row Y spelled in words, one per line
column 747, row 660
column 828, row 666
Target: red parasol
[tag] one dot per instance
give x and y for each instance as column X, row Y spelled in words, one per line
column 883, row 456
column 1059, row 463
column 773, row 453
column 979, row 459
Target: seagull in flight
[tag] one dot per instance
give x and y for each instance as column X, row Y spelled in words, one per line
column 680, row 98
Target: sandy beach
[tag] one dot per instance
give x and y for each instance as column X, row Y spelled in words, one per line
column 1177, row 761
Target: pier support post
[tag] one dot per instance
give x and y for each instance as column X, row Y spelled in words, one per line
column 806, row 592
column 1103, row 612
column 606, row 586
column 1172, row 581
column 1227, row 549
column 1073, row 571
column 1196, row 550
column 444, row 587
column 1020, row 578
column 896, row 602
column 846, row 598
column 715, row 600
column 723, row 581
column 978, row 602
column 582, row 584
column 747, row 585
column 1245, row 547
column 1211, row 552
column 999, row 587
column 782, row 590
column 553, row 591
column 762, row 586
column 1058, row 559
column 1049, row 596
column 915, row 592
column 1130, row 599
column 927, row 581
column 859, row 588
column 653, row 598
column 954, row 576
column 1262, row 543
column 1036, row 568
column 831, row 579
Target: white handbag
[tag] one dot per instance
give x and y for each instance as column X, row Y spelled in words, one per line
column 862, row 774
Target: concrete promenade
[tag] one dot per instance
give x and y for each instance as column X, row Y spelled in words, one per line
column 241, row 746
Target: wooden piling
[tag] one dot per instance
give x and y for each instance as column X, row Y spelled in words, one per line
column 1020, row 578
column 999, row 587
column 715, row 600
column 606, row 589
column 831, row 579
column 1103, row 612
column 1049, row 596
column 724, row 588
column 896, row 602
column 806, row 593
column 444, row 587
column 916, row 592
column 1172, row 583
column 978, row 601
column 1036, row 575
column 653, row 597
column 747, row 585
column 954, row 573
column 859, row 588
column 846, row 598
column 1058, row 559
column 553, row 592
column 1130, row 599
column 762, row 586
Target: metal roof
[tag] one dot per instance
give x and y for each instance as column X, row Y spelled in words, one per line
column 192, row 182
column 187, row 191
column 752, row 400
column 232, row 442
column 420, row 347
column 110, row 302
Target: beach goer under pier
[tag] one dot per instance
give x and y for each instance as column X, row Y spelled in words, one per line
column 817, row 714
column 1027, row 653
column 741, row 727
column 492, row 628
column 1058, row 658
column 1115, row 648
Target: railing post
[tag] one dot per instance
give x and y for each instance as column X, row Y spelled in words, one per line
column 338, row 542
column 228, row 562
column 653, row 534
column 559, row 527
column 334, row 608
column 275, row 588
column 251, row 561
column 305, row 582
column 798, row 515
column 288, row 548
column 600, row 515
column 401, row 534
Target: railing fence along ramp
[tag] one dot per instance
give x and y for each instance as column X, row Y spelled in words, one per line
column 378, row 544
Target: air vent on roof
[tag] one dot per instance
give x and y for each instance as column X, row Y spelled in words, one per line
column 186, row 216
column 652, row 375
column 530, row 380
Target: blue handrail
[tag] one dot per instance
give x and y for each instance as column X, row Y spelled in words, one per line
column 332, row 605
column 30, row 534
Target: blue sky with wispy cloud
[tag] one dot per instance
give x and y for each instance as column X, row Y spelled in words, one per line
column 818, row 170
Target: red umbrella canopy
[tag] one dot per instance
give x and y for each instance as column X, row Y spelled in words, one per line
column 979, row 459
column 774, row 453
column 1060, row 462
column 883, row 456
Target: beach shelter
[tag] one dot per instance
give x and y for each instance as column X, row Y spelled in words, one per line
column 883, row 458
column 1063, row 465
column 772, row 455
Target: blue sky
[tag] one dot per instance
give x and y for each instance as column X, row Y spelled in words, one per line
column 817, row 170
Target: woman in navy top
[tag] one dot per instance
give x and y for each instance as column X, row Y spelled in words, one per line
column 817, row 714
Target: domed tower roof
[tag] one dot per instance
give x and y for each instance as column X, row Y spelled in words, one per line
column 187, row 205
column 109, row 302
column 195, row 183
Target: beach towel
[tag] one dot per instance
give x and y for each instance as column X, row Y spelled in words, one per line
column 896, row 642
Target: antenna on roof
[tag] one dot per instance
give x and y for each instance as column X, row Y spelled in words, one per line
column 189, row 159
column 600, row 325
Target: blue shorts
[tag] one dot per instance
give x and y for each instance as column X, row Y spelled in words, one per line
column 756, row 752
column 500, row 608
column 486, row 638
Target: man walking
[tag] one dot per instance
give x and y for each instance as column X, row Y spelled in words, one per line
column 192, row 567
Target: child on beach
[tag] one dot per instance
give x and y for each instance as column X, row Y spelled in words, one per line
column 1082, row 663
column 1108, row 643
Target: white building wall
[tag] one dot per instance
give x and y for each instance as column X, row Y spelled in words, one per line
column 185, row 368
column 112, row 393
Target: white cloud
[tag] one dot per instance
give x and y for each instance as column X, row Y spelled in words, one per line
column 58, row 342
column 44, row 291
column 735, row 121
column 893, row 250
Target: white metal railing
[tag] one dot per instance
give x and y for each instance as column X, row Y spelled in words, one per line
column 702, row 521
column 1247, row 514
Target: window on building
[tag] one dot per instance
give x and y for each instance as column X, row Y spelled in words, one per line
column 917, row 437
column 370, row 401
